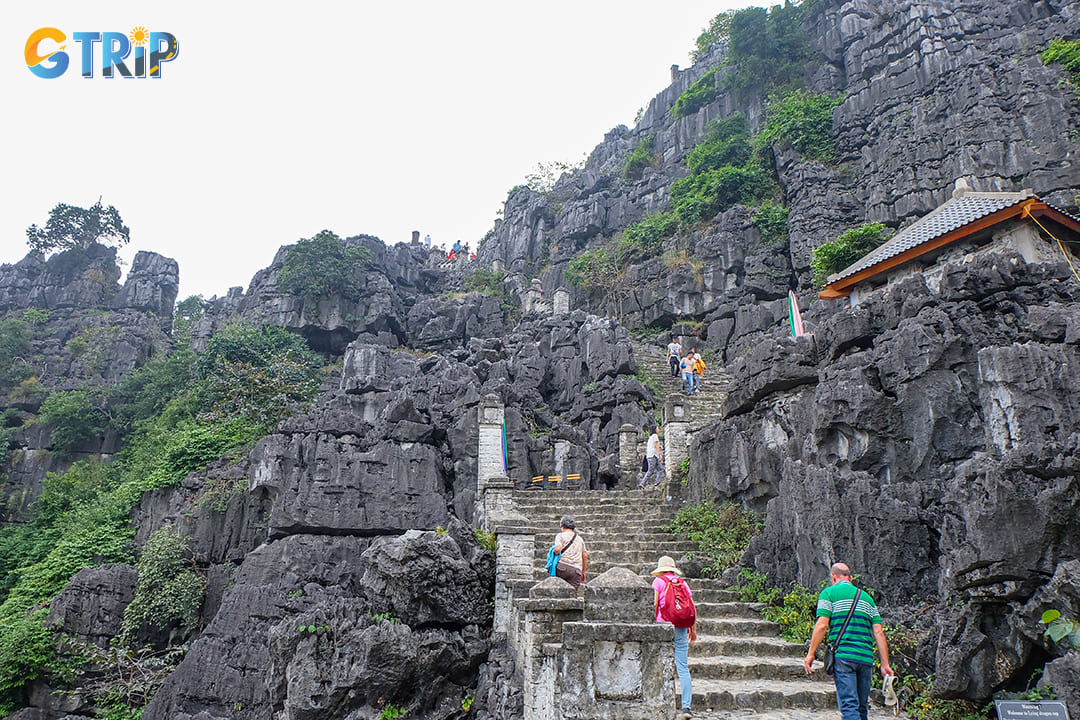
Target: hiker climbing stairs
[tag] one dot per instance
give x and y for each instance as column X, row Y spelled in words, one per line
column 706, row 404
column 739, row 663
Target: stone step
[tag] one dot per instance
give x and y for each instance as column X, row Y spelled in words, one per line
column 736, row 627
column 708, row 608
column 829, row 713
column 657, row 546
column 763, row 694
column 747, row 667
column 761, row 646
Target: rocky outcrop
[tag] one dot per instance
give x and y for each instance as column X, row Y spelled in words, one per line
column 930, row 441
column 309, row 617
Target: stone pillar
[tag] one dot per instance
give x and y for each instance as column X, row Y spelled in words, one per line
column 674, row 73
column 497, row 266
column 551, row 604
column 513, row 571
column 562, row 301
column 629, row 461
column 617, row 662
column 676, row 432
column 489, row 457
column 415, row 237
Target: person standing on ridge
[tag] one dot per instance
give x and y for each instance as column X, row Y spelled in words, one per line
column 666, row 573
column 674, row 355
column 573, row 557
column 654, row 457
column 854, row 664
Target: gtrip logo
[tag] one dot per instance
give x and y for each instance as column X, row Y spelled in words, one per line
column 46, row 56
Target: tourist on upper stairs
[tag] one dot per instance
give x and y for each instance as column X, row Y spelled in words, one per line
column 573, row 556
column 699, row 369
column 666, row 573
column 674, row 355
column 688, row 372
column 654, row 458
column 839, row 604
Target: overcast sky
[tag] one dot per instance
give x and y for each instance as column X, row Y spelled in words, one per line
column 358, row 117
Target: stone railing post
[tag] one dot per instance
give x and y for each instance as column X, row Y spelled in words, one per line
column 551, row 604
column 561, row 302
column 676, row 433
column 489, row 455
column 513, row 570
column 617, row 661
column 629, row 462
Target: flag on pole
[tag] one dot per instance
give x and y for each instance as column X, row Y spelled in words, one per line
column 504, row 445
column 793, row 315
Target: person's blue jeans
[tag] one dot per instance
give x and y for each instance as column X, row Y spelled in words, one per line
column 682, row 665
column 688, row 381
column 852, row 688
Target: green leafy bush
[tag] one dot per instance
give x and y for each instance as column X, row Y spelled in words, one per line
column 832, row 257
column 321, row 266
column 726, row 142
column 485, row 282
column 15, row 352
column 700, row 93
column 26, row 650
column 771, row 220
column 722, row 532
column 74, row 417
column 768, row 49
column 804, row 121
column 596, row 268
column 168, row 592
column 640, row 158
column 719, row 29
column 1067, row 53
column 700, row 197
column 645, row 238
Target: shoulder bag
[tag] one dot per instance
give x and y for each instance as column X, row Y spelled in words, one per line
column 830, row 651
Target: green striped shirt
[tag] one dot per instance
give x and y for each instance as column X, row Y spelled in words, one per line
column 858, row 643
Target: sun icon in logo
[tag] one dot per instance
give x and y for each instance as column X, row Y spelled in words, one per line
column 139, row 36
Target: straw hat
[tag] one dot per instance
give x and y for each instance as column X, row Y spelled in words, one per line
column 665, row 565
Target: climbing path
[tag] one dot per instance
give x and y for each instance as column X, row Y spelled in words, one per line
column 739, row 665
column 705, row 404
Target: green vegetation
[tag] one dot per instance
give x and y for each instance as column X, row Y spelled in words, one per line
column 700, row 93
column 168, row 592
column 485, row 282
column 321, row 266
column 391, row 712
column 644, row 239
column 15, row 353
column 722, row 532
column 177, row 413
column 70, row 227
column 832, row 257
column 922, row 705
column 1060, row 629
column 75, row 417
column 726, row 142
column 487, row 540
column 719, row 29
column 794, row 611
column 768, row 48
column 1067, row 54
column 640, row 158
column 771, row 220
column 700, row 197
column 802, row 120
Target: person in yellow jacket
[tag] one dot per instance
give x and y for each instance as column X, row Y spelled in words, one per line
column 699, row 368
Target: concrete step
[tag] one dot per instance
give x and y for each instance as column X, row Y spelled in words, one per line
column 736, row 627
column 761, row 646
column 761, row 695
column 747, row 667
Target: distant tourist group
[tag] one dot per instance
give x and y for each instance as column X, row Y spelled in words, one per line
column 457, row 250
column 692, row 367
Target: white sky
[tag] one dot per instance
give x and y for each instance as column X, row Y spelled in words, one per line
column 275, row 121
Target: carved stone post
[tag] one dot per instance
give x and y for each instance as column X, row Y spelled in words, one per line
column 616, row 662
column 489, row 457
column 562, row 301
column 551, row 604
column 676, row 432
column 629, row 462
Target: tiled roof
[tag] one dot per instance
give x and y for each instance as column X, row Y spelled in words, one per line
column 955, row 213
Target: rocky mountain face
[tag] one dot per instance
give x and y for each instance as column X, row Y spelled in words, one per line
column 929, row 439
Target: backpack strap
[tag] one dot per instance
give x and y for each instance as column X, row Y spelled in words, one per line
column 850, row 612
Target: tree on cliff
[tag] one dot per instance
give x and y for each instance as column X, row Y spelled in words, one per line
column 71, row 227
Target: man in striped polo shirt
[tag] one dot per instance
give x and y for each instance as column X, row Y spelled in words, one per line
column 855, row 651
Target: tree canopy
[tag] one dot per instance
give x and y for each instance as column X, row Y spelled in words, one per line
column 71, row 227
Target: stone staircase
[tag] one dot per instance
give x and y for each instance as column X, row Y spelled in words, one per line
column 739, row 664
column 705, row 404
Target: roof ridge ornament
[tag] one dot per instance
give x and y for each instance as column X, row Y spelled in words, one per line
column 962, row 188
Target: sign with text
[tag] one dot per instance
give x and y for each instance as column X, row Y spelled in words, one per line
column 1024, row 710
